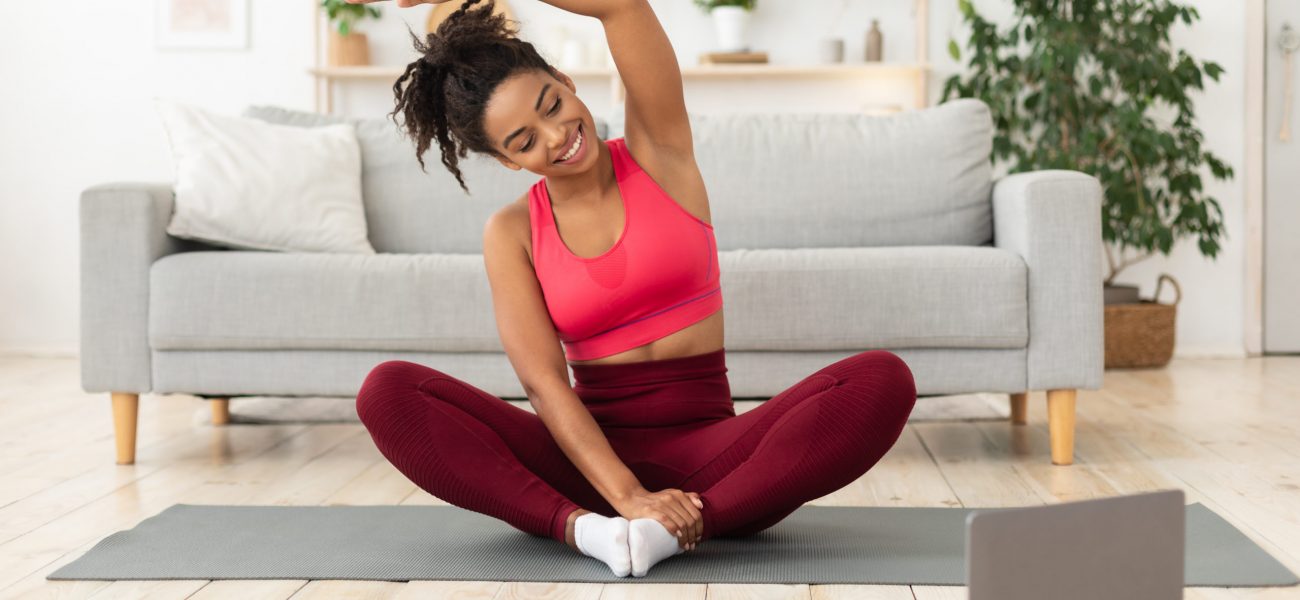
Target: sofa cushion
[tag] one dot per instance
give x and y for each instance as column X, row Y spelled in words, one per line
column 774, row 299
column 268, row 300
column 854, row 298
column 248, row 184
column 828, row 180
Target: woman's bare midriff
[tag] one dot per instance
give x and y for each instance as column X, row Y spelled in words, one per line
column 698, row 338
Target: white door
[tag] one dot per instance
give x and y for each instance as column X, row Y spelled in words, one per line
column 1281, row 181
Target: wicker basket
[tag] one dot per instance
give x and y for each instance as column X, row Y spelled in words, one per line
column 1141, row 334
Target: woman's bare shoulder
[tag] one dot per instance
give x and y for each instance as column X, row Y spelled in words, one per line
column 513, row 216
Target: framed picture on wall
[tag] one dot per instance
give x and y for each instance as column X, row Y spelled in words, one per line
column 201, row 24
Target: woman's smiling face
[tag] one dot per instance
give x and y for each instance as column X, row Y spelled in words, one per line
column 533, row 118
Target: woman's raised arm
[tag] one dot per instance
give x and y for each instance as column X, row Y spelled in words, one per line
column 588, row 8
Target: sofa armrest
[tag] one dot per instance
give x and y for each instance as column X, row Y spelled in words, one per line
column 123, row 231
column 1052, row 219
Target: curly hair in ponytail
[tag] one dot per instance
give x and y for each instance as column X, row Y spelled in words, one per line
column 448, row 88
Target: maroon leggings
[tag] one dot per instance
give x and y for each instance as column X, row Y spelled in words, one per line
column 671, row 421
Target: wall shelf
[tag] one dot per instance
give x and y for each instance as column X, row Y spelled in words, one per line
column 327, row 77
column 718, row 71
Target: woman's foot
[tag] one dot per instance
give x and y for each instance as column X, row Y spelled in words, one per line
column 601, row 537
column 648, row 543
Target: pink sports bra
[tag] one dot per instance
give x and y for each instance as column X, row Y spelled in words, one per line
column 659, row 277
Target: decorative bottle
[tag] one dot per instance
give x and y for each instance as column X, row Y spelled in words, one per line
column 873, row 42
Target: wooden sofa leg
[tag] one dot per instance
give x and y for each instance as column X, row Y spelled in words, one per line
column 125, row 408
column 1019, row 408
column 220, row 411
column 1060, row 425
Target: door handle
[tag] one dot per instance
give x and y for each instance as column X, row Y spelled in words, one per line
column 1289, row 42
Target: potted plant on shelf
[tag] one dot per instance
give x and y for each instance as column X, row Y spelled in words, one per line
column 444, row 9
column 1078, row 96
column 347, row 47
column 730, row 22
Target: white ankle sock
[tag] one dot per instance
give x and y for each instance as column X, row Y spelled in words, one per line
column 604, row 538
column 649, row 542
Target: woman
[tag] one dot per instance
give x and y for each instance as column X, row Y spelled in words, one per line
column 611, row 255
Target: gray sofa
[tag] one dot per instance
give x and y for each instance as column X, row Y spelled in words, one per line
column 837, row 233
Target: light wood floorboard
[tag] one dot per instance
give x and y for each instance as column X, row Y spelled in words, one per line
column 1225, row 431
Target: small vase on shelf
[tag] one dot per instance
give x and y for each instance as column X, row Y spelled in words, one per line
column 874, row 42
column 731, row 25
column 831, row 51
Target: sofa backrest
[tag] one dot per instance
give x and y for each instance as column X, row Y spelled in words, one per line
column 775, row 180
column 795, row 180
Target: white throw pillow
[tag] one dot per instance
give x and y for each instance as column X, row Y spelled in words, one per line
column 245, row 183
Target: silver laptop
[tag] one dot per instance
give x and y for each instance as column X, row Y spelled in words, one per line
column 1120, row 548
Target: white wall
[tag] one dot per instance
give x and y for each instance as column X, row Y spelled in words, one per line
column 79, row 76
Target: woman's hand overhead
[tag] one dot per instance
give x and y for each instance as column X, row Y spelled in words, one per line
column 401, row 3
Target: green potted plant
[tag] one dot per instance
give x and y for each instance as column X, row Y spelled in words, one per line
column 347, row 47
column 1081, row 85
column 730, row 22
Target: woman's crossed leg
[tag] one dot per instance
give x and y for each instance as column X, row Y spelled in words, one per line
column 473, row 449
column 817, row 436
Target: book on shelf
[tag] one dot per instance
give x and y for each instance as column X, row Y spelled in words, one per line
column 749, row 57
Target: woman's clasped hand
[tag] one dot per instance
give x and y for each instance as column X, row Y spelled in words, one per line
column 678, row 511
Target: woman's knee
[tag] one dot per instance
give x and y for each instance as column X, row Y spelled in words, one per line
column 387, row 381
column 885, row 376
column 891, row 363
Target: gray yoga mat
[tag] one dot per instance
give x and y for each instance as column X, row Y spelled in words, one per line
column 815, row 544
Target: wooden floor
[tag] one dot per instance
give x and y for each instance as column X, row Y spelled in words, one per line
column 1226, row 432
